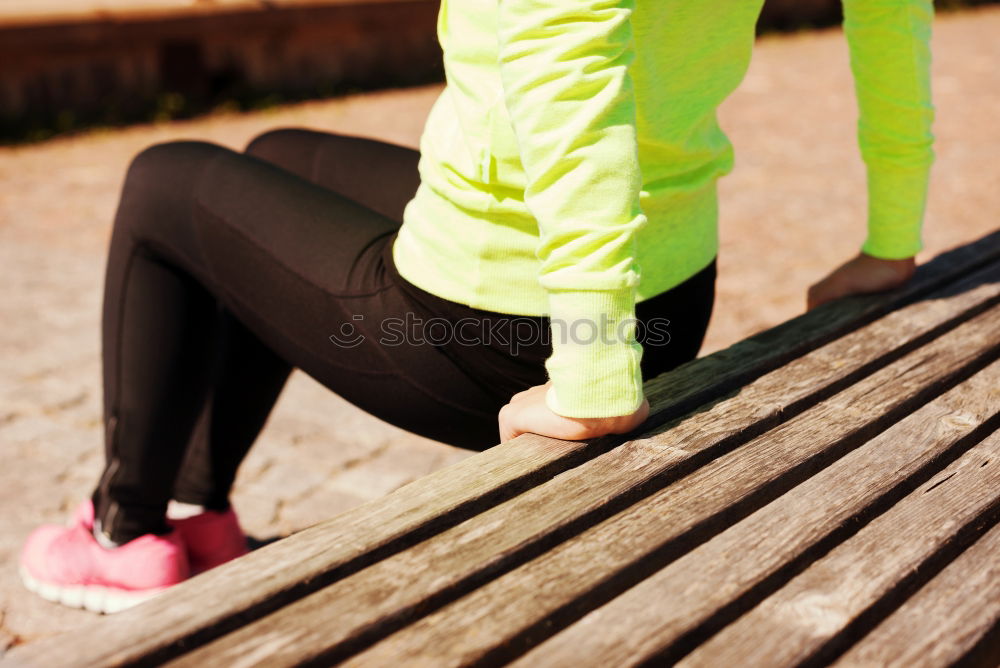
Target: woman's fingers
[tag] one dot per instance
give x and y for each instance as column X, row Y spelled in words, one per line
column 860, row 275
column 528, row 412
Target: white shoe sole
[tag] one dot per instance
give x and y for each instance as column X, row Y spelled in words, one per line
column 106, row 600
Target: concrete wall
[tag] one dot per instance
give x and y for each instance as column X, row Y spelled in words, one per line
column 67, row 63
column 103, row 67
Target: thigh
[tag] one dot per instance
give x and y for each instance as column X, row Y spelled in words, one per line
column 377, row 174
column 301, row 266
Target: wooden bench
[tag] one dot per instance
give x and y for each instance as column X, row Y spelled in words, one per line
column 825, row 492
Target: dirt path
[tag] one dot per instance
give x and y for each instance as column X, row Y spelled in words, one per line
column 791, row 211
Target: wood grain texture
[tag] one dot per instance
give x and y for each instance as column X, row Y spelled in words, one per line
column 388, row 594
column 867, row 570
column 513, row 612
column 767, row 350
column 944, row 620
column 680, row 603
column 263, row 581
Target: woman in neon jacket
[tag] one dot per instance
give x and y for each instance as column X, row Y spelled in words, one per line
column 552, row 244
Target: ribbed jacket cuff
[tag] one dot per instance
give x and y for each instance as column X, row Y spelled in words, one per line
column 594, row 367
column 896, row 202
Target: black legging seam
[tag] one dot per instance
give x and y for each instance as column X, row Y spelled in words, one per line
column 114, row 412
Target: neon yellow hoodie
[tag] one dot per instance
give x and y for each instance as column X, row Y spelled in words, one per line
column 569, row 166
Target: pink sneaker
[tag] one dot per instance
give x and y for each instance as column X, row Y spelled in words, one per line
column 212, row 538
column 67, row 565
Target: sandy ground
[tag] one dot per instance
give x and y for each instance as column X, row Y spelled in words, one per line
column 791, row 211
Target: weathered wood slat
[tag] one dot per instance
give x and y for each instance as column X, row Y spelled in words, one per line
column 386, row 595
column 828, row 603
column 673, row 609
column 700, row 380
column 290, row 568
column 951, row 616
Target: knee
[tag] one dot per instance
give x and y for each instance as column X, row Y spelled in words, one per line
column 273, row 144
column 162, row 180
column 291, row 149
column 166, row 162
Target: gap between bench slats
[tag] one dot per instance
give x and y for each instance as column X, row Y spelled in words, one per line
column 692, row 384
column 393, row 592
column 953, row 617
column 680, row 605
column 817, row 611
column 291, row 568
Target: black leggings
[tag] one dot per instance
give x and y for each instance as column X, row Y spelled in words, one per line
column 226, row 270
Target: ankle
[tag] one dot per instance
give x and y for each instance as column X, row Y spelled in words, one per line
column 110, row 541
column 103, row 539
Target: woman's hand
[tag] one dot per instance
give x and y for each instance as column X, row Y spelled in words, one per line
column 528, row 412
column 860, row 275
